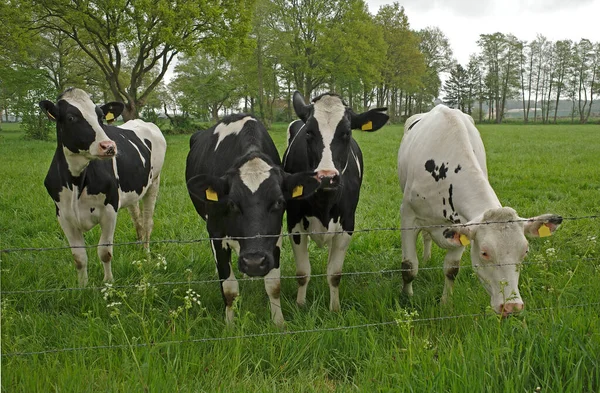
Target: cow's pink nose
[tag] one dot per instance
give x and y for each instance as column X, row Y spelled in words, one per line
column 108, row 148
column 509, row 308
column 327, row 173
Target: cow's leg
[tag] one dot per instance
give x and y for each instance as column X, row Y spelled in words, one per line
column 108, row 222
column 451, row 267
column 136, row 217
column 149, row 201
column 410, row 262
column 273, row 287
column 426, row 246
column 337, row 254
column 300, row 249
column 229, row 285
column 77, row 243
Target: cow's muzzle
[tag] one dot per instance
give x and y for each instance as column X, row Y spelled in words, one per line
column 329, row 179
column 254, row 264
column 107, row 149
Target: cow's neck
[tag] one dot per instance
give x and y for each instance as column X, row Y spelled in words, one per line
column 74, row 166
column 470, row 204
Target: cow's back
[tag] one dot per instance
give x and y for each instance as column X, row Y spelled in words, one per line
column 142, row 149
column 443, row 138
column 214, row 153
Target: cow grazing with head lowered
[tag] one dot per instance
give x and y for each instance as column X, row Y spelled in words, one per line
column 98, row 169
column 442, row 171
column 321, row 141
column 236, row 184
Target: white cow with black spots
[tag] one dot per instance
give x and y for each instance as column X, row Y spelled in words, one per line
column 443, row 174
column 98, row 169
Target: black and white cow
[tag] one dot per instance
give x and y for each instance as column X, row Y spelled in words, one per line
column 98, row 169
column 236, row 184
column 321, row 141
column 443, row 173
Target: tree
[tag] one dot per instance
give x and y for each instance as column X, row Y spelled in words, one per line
column 204, row 84
column 404, row 66
column 500, row 56
column 438, row 58
column 128, row 39
column 563, row 53
column 457, row 88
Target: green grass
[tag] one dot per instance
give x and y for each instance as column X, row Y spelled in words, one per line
column 551, row 345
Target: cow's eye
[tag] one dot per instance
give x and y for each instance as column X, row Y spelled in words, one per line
column 233, row 207
column 309, row 134
column 485, row 255
column 71, row 118
column 277, row 205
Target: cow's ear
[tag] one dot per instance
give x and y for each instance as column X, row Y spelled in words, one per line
column 299, row 185
column 371, row 120
column 459, row 236
column 49, row 109
column 208, row 188
column 542, row 226
column 112, row 110
column 301, row 109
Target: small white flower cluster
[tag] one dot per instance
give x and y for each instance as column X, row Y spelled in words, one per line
column 551, row 252
column 591, row 239
column 406, row 317
column 113, row 304
column 107, row 291
column 190, row 298
column 161, row 262
column 142, row 286
column 138, row 264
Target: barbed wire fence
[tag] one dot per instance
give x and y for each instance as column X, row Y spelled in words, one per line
column 284, row 277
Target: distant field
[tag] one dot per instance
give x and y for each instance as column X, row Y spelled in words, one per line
column 166, row 343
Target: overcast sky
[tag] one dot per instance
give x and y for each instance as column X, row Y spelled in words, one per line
column 462, row 21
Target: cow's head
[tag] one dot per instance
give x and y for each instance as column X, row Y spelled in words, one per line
column 249, row 201
column 79, row 124
column 498, row 248
column 328, row 124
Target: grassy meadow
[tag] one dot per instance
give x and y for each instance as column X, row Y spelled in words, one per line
column 161, row 327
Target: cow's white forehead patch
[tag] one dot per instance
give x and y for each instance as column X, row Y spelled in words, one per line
column 82, row 101
column 329, row 111
column 254, row 172
column 233, row 128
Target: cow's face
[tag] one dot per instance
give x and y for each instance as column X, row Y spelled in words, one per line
column 328, row 133
column 249, row 202
column 498, row 248
column 79, row 124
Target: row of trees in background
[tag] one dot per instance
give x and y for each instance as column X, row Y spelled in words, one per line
column 540, row 74
column 250, row 55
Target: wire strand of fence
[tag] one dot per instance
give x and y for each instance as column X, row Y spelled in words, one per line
column 205, row 239
column 280, row 333
column 285, row 277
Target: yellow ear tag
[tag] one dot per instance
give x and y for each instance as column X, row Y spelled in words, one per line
column 368, row 126
column 109, row 116
column 211, row 195
column 464, row 240
column 544, row 231
column 297, row 191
